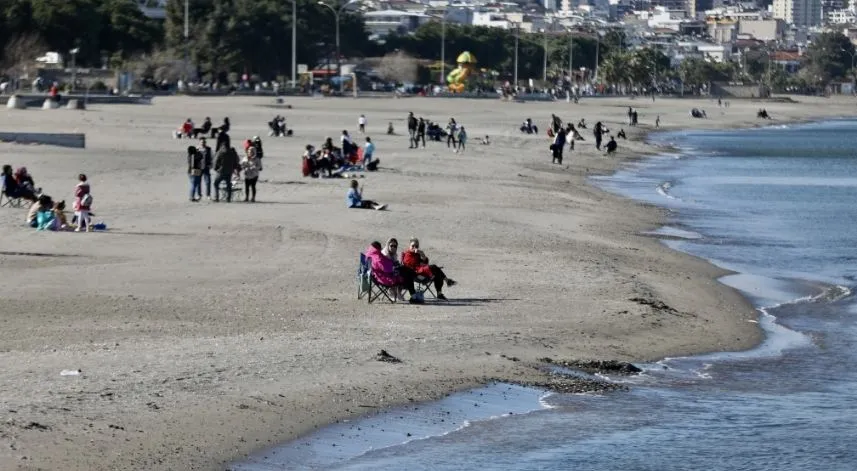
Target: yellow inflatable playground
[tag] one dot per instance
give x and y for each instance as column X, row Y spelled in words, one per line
column 458, row 77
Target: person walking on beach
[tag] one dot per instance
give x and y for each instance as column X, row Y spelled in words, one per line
column 207, row 162
column 599, row 132
column 251, row 165
column 412, row 131
column 361, row 124
column 225, row 164
column 82, row 204
column 557, row 146
column 421, row 133
column 195, row 164
column 451, row 132
column 462, row 140
column 368, row 152
column 658, row 121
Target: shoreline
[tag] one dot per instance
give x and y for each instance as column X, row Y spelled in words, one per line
column 326, row 393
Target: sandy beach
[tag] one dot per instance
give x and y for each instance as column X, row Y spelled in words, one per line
column 207, row 331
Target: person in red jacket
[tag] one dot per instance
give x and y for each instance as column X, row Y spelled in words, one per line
column 416, row 260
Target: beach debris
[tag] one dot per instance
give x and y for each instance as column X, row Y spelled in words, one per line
column 36, row 426
column 597, row 366
column 654, row 304
column 571, row 385
column 71, row 372
column 384, row 356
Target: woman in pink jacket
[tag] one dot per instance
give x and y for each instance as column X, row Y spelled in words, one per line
column 384, row 270
column 82, row 204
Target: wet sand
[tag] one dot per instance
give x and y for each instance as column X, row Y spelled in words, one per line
column 207, row 331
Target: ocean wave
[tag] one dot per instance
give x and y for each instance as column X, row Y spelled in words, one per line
column 664, row 190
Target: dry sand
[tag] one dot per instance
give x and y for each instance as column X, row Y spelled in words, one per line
column 207, row 331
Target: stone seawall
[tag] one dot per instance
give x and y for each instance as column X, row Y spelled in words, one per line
column 77, row 141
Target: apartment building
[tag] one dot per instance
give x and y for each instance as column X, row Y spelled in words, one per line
column 804, row 13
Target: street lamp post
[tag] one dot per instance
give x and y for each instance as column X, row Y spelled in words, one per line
column 294, row 43
column 597, row 52
column 336, row 12
column 443, row 49
column 186, row 35
column 517, row 33
column 571, row 57
column 74, row 67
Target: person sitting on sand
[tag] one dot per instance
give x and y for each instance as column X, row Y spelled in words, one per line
column 621, row 134
column 611, row 146
column 384, row 270
column 390, row 130
column 186, row 129
column 46, row 218
column 416, row 260
column 43, row 203
column 59, row 214
column 354, row 199
column 204, row 130
column 582, row 123
column 224, row 128
column 486, row 141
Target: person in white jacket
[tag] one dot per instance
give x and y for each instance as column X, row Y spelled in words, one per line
column 251, row 165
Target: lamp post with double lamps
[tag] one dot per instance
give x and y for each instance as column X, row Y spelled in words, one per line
column 336, row 13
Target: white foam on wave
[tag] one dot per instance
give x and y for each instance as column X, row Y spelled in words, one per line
column 342, row 442
column 674, row 232
column 664, row 190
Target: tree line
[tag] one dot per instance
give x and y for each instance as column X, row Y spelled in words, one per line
column 254, row 37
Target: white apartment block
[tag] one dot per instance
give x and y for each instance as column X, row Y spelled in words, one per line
column 798, row 12
column 841, row 17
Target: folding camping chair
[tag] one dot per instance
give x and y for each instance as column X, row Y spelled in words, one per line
column 368, row 285
column 10, row 201
column 364, row 277
column 424, row 284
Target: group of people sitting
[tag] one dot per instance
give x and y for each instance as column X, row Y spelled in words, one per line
column 19, row 184
column 278, row 127
column 763, row 114
column 529, row 127
column 332, row 161
column 400, row 273
column 45, row 214
column 189, row 131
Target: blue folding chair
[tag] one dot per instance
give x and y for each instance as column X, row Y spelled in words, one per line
column 364, row 277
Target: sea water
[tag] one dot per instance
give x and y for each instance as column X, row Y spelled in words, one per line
column 778, row 206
